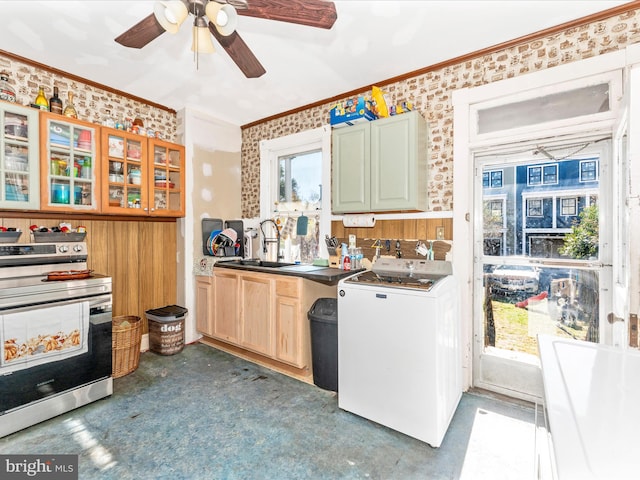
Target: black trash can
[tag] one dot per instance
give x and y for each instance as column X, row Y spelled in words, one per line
column 324, row 343
column 166, row 329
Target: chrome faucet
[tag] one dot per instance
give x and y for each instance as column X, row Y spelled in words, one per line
column 266, row 240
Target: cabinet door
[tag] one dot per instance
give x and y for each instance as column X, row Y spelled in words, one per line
column 351, row 148
column 68, row 153
column 125, row 172
column 226, row 322
column 19, row 162
column 288, row 318
column 398, row 163
column 167, row 181
column 204, row 305
column 256, row 314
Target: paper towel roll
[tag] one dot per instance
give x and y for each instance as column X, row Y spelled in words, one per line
column 359, row 220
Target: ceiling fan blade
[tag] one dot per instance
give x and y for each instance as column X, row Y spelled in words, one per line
column 239, row 53
column 314, row 13
column 141, row 33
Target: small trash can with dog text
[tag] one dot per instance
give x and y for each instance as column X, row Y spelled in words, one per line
column 166, row 329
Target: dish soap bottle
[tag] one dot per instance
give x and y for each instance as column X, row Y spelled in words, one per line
column 70, row 109
column 55, row 104
column 7, row 92
column 41, row 100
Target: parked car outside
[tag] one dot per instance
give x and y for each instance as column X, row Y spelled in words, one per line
column 514, row 279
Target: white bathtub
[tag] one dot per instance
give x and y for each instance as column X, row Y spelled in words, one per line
column 592, row 397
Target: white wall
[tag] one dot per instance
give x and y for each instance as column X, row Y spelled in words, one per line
column 211, row 149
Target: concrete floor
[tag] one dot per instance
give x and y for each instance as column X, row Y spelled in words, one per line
column 205, row 414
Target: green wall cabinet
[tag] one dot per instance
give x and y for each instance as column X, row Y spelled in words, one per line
column 381, row 166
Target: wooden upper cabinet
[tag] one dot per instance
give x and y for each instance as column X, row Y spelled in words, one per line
column 124, row 171
column 166, row 179
column 141, row 176
column 69, row 153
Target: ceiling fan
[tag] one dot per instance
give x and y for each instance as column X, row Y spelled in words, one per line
column 219, row 18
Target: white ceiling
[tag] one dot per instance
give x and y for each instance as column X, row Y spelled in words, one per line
column 371, row 41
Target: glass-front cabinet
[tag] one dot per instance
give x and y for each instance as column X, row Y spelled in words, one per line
column 124, row 168
column 145, row 175
column 19, row 157
column 167, row 182
column 69, row 151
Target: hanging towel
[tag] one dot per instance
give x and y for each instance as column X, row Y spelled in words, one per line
column 302, row 226
column 288, row 227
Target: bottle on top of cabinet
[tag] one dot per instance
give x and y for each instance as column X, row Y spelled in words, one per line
column 55, row 104
column 70, row 109
column 41, row 100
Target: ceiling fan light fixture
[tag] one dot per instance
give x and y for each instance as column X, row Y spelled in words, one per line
column 201, row 41
column 170, row 14
column 224, row 17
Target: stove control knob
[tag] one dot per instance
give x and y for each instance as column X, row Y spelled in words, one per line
column 63, row 249
column 77, row 248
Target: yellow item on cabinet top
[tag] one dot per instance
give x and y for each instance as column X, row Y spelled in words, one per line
column 379, row 101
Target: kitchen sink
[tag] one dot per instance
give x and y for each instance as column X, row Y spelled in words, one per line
column 255, row 262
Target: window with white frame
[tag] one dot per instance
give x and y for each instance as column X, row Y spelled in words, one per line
column 542, row 175
column 295, row 179
column 569, row 206
column 300, row 181
column 588, row 170
column 534, row 207
column 492, row 179
column 496, row 208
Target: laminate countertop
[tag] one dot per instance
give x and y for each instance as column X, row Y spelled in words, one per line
column 326, row 275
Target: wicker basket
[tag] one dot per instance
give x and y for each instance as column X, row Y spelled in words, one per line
column 127, row 334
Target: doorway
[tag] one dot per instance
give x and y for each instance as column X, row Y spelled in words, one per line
column 541, row 259
column 530, row 168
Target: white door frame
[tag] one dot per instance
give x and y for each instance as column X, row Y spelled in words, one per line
column 466, row 141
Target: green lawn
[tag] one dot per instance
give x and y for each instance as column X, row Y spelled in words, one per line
column 516, row 328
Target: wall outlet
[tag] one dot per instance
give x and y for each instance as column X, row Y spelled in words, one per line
column 439, row 233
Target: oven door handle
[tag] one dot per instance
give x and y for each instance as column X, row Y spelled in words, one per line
column 98, row 303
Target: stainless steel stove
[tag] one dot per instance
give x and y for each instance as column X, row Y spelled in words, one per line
column 55, row 332
column 402, row 273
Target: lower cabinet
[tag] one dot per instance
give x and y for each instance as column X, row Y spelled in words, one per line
column 204, row 304
column 290, row 321
column 224, row 313
column 261, row 313
column 256, row 313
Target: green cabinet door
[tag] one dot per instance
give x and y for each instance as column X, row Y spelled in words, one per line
column 399, row 163
column 380, row 166
column 351, row 149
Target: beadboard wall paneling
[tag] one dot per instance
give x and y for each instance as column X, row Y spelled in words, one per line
column 412, row 229
column 140, row 256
